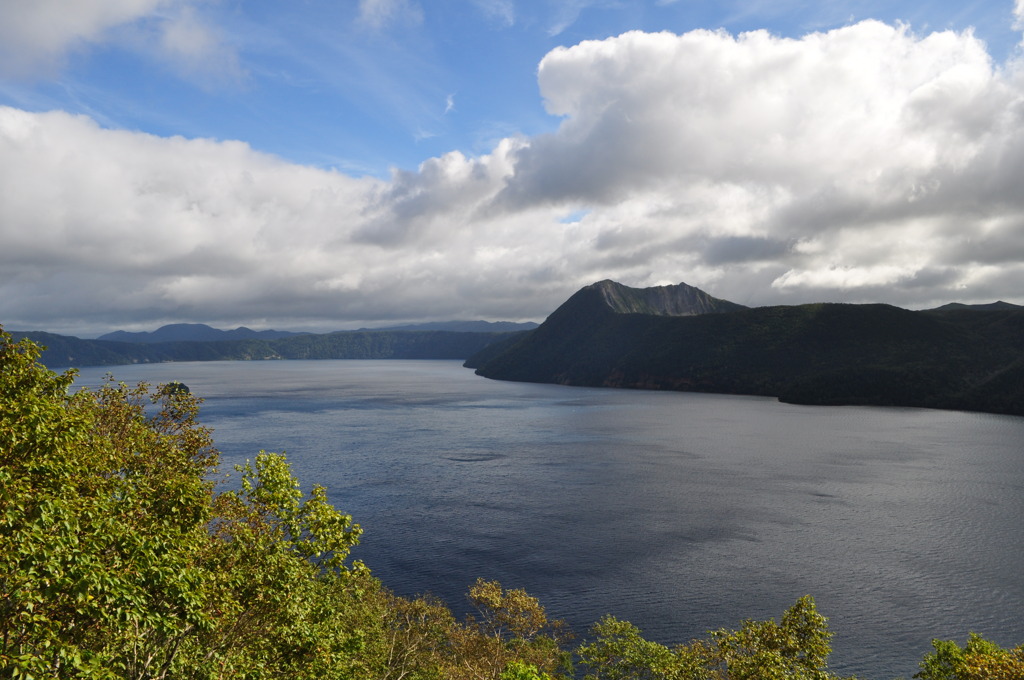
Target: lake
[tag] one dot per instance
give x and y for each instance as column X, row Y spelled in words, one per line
column 679, row 512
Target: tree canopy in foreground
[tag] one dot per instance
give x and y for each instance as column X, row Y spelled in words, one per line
column 122, row 557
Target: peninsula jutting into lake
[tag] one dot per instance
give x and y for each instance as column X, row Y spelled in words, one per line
column 680, row 338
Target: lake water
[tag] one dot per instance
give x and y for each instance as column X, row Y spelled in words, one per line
column 679, row 512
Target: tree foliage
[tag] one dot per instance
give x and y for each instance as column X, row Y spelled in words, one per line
column 103, row 511
column 797, row 648
column 978, row 659
column 119, row 560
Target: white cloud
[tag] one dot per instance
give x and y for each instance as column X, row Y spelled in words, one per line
column 863, row 164
column 641, row 106
column 134, row 221
column 104, row 228
column 864, row 135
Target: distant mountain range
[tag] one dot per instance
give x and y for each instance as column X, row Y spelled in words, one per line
column 999, row 306
column 199, row 342
column 200, row 332
column 193, row 332
column 462, row 327
column 967, row 357
column 956, row 356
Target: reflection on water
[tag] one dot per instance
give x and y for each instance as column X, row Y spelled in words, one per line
column 678, row 512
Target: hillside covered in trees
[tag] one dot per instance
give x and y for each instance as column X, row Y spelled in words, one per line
column 63, row 350
column 123, row 556
column 607, row 334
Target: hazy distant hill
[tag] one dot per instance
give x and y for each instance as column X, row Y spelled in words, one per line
column 998, row 306
column 199, row 332
column 462, row 327
column 62, row 351
column 193, row 332
column 814, row 354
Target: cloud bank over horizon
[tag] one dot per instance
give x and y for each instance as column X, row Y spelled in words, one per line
column 867, row 163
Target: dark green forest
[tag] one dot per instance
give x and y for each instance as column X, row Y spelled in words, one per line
column 125, row 554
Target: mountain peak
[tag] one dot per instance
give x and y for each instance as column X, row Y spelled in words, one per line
column 678, row 300
column 998, row 306
column 192, row 332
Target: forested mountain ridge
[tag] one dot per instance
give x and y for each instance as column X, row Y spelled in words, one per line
column 462, row 326
column 200, row 332
column 999, row 305
column 62, row 350
column 955, row 357
column 194, row 332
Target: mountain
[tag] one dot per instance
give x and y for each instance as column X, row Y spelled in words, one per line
column 678, row 300
column 199, row 332
column 991, row 306
column 462, row 327
column 584, row 330
column 614, row 336
column 193, row 332
column 67, row 350
column 63, row 351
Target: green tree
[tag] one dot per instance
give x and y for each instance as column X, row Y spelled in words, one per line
column 518, row 670
column 797, row 648
column 103, row 512
column 509, row 638
column 619, row 652
column 978, row 659
column 509, row 626
column 277, row 565
column 119, row 560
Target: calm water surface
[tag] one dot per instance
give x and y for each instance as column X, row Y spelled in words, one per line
column 679, row 512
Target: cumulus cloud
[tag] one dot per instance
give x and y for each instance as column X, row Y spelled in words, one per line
column 107, row 228
column 872, row 151
column 153, row 223
column 867, row 163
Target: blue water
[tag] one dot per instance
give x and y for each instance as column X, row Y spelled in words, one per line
column 679, row 512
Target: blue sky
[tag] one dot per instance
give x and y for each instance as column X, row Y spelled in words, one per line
column 328, row 164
